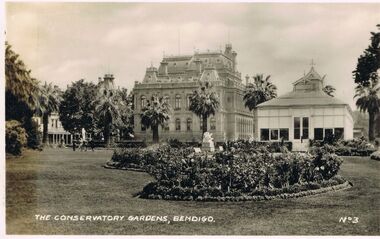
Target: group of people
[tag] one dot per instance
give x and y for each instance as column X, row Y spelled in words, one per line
column 83, row 145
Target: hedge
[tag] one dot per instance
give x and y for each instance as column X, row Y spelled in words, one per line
column 15, row 137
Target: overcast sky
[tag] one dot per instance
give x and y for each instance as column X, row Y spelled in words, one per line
column 64, row 42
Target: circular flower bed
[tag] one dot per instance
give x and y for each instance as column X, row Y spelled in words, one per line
column 233, row 175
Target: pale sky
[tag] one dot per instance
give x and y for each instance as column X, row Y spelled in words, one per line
column 64, row 42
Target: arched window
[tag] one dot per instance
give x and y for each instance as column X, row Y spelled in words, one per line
column 178, row 125
column 165, row 126
column 177, row 103
column 188, row 101
column 143, row 101
column 189, row 123
column 212, row 124
column 166, row 99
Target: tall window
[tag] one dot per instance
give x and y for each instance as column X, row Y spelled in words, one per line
column 201, row 124
column 328, row 133
column 188, row 124
column 318, row 133
column 177, row 103
column 165, row 127
column 143, row 101
column 143, row 128
column 264, row 134
column 212, row 124
column 339, row 133
column 274, row 134
column 188, row 101
column 167, row 99
column 284, row 134
column 178, row 125
column 297, row 128
column 305, row 127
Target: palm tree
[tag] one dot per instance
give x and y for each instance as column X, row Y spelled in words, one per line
column 49, row 99
column 329, row 90
column 155, row 113
column 108, row 108
column 259, row 91
column 125, row 119
column 204, row 102
column 368, row 100
column 19, row 84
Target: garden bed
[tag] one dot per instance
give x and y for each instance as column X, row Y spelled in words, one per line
column 269, row 196
column 239, row 173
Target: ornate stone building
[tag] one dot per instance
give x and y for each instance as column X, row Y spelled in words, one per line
column 177, row 77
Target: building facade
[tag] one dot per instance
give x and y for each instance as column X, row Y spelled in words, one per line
column 177, row 78
column 305, row 113
column 56, row 133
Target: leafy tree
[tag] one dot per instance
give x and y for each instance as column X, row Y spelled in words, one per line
column 108, row 109
column 368, row 100
column 367, row 79
column 18, row 81
column 204, row 102
column 21, row 95
column 50, row 98
column 259, row 91
column 369, row 62
column 125, row 122
column 77, row 108
column 329, row 90
column 155, row 113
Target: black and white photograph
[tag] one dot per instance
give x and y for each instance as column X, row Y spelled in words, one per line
column 191, row 119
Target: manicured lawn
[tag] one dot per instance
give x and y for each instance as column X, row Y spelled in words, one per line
column 62, row 182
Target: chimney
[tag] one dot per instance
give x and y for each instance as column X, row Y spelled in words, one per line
column 198, row 64
column 163, row 70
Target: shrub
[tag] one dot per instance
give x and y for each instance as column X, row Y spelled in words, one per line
column 238, row 173
column 15, row 137
column 354, row 147
column 34, row 140
column 376, row 155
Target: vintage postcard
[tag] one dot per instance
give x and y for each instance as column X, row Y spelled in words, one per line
column 192, row 118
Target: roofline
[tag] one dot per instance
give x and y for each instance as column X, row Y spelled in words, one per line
column 286, row 106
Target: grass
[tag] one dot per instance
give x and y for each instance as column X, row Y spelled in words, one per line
column 58, row 182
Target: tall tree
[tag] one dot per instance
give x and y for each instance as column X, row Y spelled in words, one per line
column 21, row 95
column 18, row 78
column 50, row 98
column 369, row 62
column 155, row 113
column 367, row 79
column 259, row 91
column 204, row 102
column 108, row 109
column 124, row 122
column 77, row 108
column 368, row 100
column 329, row 90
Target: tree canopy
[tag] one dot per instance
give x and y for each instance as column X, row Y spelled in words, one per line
column 77, row 108
column 261, row 90
column 204, row 102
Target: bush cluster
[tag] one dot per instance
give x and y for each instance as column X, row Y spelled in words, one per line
column 354, row 147
column 247, row 145
column 15, row 137
column 236, row 172
column 175, row 143
column 375, row 155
